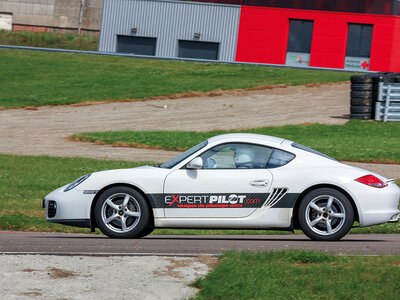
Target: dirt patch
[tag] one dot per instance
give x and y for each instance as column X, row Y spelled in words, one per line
column 208, row 260
column 56, row 273
column 33, row 293
column 31, row 108
column 29, row 270
column 173, row 269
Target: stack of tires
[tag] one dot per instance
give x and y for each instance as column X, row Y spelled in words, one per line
column 364, row 93
column 362, row 97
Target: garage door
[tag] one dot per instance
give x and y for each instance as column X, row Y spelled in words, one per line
column 136, row 45
column 196, row 49
column 5, row 21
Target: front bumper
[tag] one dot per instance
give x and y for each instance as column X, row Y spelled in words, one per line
column 68, row 208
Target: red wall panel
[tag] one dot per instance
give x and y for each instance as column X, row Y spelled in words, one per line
column 395, row 58
column 263, row 36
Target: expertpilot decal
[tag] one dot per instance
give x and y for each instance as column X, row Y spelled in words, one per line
column 212, row 201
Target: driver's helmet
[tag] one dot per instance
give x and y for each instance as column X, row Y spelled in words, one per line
column 244, row 156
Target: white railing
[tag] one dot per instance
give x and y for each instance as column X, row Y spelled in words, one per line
column 388, row 102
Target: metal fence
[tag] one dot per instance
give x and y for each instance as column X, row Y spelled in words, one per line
column 388, row 102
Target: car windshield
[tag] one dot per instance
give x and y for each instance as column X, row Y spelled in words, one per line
column 176, row 160
column 302, row 147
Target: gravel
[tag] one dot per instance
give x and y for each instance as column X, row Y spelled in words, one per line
column 85, row 277
column 44, row 131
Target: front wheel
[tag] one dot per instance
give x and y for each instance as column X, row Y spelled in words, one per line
column 325, row 215
column 122, row 212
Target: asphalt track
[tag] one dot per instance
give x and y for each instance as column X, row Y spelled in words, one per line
column 188, row 245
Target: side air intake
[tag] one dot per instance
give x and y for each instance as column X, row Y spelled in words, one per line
column 274, row 197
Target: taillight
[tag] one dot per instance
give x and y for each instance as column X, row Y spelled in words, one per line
column 371, row 180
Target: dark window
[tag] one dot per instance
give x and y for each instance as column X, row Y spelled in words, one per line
column 136, row 45
column 359, row 40
column 196, row 49
column 300, row 36
column 244, row 156
column 279, row 158
column 236, row 156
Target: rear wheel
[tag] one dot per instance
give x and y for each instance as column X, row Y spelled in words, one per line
column 325, row 215
column 122, row 212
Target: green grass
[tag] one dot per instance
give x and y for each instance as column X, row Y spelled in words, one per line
column 300, row 275
column 25, row 180
column 363, row 141
column 33, row 78
column 49, row 40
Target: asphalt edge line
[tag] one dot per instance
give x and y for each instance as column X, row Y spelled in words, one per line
column 102, row 254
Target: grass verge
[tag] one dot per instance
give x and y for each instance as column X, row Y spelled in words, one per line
column 300, row 275
column 362, row 141
column 49, row 40
column 33, row 78
column 25, row 180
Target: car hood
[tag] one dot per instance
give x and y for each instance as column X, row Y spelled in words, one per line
column 146, row 178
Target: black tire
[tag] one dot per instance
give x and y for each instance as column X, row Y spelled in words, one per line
column 378, row 77
column 362, row 87
column 361, row 116
column 319, row 230
column 389, row 79
column 361, row 79
column 361, row 94
column 361, row 109
column 362, row 101
column 145, row 232
column 135, row 205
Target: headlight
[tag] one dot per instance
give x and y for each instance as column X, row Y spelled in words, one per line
column 76, row 182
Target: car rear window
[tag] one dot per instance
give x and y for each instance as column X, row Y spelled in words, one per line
column 279, row 158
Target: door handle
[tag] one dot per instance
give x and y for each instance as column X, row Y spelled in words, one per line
column 259, row 182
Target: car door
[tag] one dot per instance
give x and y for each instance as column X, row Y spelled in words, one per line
column 233, row 182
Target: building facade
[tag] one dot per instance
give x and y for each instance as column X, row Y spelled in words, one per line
column 51, row 15
column 358, row 35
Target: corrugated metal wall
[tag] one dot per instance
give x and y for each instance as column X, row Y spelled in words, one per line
column 170, row 21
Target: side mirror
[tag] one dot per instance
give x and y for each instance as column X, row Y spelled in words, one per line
column 195, row 163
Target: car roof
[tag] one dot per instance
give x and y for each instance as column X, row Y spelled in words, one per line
column 248, row 137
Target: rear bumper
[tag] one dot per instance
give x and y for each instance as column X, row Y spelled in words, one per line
column 375, row 205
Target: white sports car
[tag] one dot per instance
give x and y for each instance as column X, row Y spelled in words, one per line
column 241, row 181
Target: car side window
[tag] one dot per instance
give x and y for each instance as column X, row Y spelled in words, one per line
column 236, row 156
